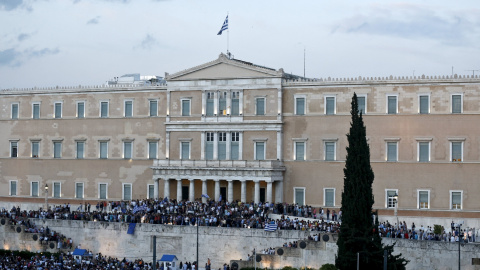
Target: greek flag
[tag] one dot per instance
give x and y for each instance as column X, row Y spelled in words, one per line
column 205, row 196
column 139, row 208
column 224, row 26
column 220, row 198
column 271, row 227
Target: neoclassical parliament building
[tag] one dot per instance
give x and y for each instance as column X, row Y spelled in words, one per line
column 232, row 130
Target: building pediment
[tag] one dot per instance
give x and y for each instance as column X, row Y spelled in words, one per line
column 225, row 68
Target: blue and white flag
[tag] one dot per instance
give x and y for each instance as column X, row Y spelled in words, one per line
column 139, row 208
column 205, row 196
column 165, row 200
column 271, row 227
column 220, row 198
column 224, row 26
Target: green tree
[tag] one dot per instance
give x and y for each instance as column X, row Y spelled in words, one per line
column 358, row 231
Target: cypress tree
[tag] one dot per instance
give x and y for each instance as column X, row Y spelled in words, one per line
column 358, row 231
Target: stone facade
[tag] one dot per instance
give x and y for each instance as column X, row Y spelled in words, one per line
column 244, row 132
column 228, row 245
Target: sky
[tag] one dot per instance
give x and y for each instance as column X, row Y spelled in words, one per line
column 48, row 43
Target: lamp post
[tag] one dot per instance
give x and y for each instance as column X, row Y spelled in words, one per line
column 459, row 226
column 198, row 224
column 46, row 197
column 395, row 198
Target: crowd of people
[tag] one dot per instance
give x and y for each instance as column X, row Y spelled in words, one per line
column 427, row 233
column 211, row 213
column 68, row 261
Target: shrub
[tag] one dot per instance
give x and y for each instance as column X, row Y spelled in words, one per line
column 437, row 229
column 328, row 266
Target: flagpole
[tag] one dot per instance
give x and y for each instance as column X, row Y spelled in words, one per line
column 228, row 37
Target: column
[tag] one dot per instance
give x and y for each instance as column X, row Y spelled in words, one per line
column 279, row 192
column 229, row 145
column 191, row 190
column 279, row 93
column 204, row 103
column 279, row 145
column 179, row 190
column 167, row 145
column 243, row 189
column 202, row 145
column 240, row 145
column 240, row 102
column 217, row 189
column 269, row 192
column 166, row 189
column 155, row 188
column 230, row 191
column 168, row 107
column 256, row 199
column 204, row 190
column 215, row 145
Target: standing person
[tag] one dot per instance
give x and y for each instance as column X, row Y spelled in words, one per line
column 328, row 214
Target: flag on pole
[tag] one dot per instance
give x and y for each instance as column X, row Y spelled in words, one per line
column 131, row 228
column 224, row 26
column 220, row 198
column 205, row 196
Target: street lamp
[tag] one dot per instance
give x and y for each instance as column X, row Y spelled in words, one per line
column 395, row 198
column 46, row 197
column 459, row 226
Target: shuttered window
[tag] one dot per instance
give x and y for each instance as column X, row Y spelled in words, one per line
column 456, row 103
column 329, row 197
column 392, row 105
column 260, row 108
column 79, row 190
column 300, row 196
column 391, row 151
column 300, row 106
column 456, row 200
column 329, row 151
column 56, row 190
column 103, row 191
column 457, row 151
column 424, row 104
column 423, row 199
column 185, row 150
column 259, row 150
column 330, row 105
column 299, row 150
column 423, row 151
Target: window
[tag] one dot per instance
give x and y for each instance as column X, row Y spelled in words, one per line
column 299, row 150
column 235, row 110
column 209, row 145
column 391, row 200
column 424, row 104
column 456, row 199
column 392, row 105
column 300, row 105
column 329, row 105
column 222, row 104
column 34, row 189
column 185, row 107
column 57, row 189
column 329, row 151
column 127, row 150
column 362, row 104
column 127, row 192
column 392, row 154
column 14, row 149
column 152, row 150
column 57, row 149
column 150, row 191
column 234, row 146
column 13, row 188
column 36, row 110
column 58, row 110
column 103, row 150
column 104, row 109
column 423, row 151
column 102, row 191
column 128, row 111
column 423, row 199
column 299, row 196
column 185, row 151
column 259, row 150
column 222, row 146
column 260, row 106
column 457, row 104
column 210, row 103
column 15, row 110
column 81, row 109
column 80, row 149
column 35, row 149
column 79, row 190
column 153, row 108
column 329, row 197
column 456, row 151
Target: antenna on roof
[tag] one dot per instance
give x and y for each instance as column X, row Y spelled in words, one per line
column 473, row 70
